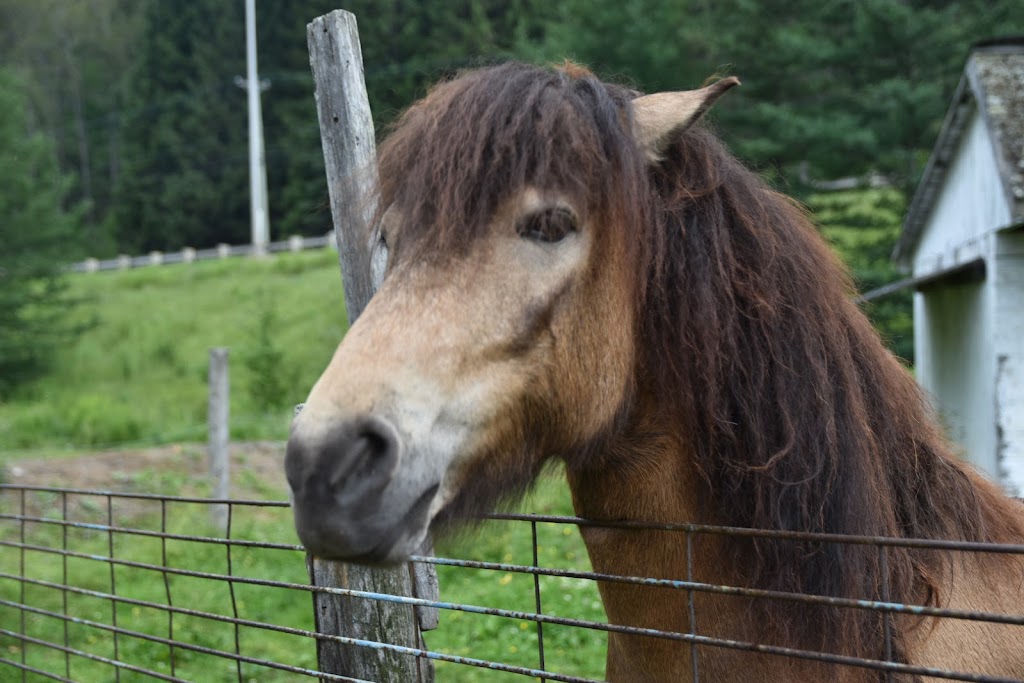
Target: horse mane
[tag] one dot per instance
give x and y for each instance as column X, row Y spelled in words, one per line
column 799, row 419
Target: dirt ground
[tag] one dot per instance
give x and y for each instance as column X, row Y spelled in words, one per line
column 257, row 471
column 106, row 469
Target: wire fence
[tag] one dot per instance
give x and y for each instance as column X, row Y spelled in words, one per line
column 100, row 586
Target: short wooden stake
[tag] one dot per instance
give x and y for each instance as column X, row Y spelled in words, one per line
column 218, row 416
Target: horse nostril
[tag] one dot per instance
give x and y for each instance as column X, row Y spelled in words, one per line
column 361, row 456
column 346, row 471
column 361, row 460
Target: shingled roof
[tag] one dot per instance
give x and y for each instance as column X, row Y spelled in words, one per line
column 993, row 81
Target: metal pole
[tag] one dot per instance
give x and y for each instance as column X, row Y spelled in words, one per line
column 257, row 160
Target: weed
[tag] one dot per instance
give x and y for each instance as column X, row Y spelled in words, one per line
column 95, row 419
column 265, row 360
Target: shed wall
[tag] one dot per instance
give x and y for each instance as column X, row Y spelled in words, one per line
column 954, row 351
column 971, row 204
column 1008, row 288
column 968, row 341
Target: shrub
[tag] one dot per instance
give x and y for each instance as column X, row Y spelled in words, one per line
column 268, row 375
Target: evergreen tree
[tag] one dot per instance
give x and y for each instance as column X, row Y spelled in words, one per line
column 406, row 46
column 296, row 182
column 409, row 45
column 845, row 88
column 139, row 95
column 38, row 237
column 862, row 225
column 830, row 89
column 72, row 57
column 185, row 179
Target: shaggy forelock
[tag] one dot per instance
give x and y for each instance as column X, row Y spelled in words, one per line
column 454, row 157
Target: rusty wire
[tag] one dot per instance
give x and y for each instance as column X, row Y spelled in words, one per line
column 21, row 521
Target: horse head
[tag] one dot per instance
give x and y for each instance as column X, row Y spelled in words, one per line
column 504, row 332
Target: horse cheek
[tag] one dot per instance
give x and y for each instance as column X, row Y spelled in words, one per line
column 597, row 362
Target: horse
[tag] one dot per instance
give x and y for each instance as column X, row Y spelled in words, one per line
column 582, row 273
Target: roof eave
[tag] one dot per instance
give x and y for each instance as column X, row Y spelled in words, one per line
column 923, row 201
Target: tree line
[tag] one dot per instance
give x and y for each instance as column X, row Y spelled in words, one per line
column 140, row 102
column 138, row 132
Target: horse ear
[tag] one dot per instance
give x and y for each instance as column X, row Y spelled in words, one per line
column 658, row 118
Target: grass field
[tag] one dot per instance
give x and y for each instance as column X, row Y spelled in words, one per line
column 137, row 375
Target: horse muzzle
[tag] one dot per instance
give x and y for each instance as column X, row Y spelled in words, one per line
column 349, row 502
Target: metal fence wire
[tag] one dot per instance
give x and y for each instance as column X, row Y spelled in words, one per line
column 104, row 586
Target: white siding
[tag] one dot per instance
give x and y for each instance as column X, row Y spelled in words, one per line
column 971, row 204
column 1008, row 286
column 954, row 363
column 969, row 338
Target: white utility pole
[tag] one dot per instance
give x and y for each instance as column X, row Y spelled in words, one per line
column 257, row 157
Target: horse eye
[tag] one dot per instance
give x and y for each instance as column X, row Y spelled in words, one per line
column 550, row 225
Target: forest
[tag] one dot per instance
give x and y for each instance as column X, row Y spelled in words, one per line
column 122, row 129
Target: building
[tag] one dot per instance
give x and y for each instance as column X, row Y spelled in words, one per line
column 963, row 242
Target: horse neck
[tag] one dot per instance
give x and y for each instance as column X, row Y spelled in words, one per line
column 645, row 474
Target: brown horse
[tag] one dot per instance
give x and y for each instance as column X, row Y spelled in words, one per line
column 578, row 272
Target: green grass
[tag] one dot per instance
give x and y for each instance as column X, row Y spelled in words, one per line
column 90, row 572
column 513, row 641
column 137, row 375
column 567, row 650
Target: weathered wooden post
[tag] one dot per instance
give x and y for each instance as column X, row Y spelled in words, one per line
column 218, row 420
column 347, row 134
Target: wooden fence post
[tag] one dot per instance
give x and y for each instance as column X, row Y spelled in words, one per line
column 218, row 417
column 347, row 134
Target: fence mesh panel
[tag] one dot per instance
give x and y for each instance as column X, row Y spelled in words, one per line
column 103, row 586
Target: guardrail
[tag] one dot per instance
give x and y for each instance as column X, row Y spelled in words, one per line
column 294, row 243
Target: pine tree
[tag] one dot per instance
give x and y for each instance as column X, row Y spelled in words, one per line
column 830, row 89
column 38, row 237
column 407, row 45
column 185, row 180
column 72, row 57
column 295, row 169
